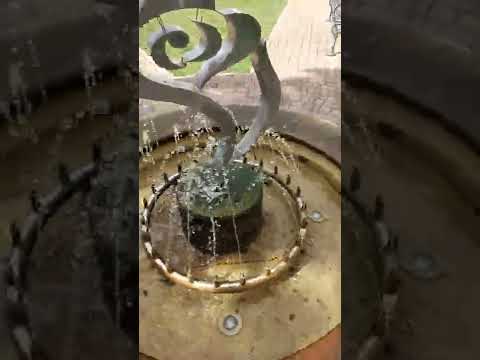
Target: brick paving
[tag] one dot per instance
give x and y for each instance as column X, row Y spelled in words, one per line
column 298, row 47
column 317, row 95
column 302, row 38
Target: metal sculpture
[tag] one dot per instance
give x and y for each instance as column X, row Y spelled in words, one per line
column 210, row 43
column 243, row 40
column 157, row 42
column 243, row 37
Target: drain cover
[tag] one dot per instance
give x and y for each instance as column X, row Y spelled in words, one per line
column 317, row 216
column 230, row 324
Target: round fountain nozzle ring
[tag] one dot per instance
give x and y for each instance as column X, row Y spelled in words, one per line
column 24, row 240
column 226, row 286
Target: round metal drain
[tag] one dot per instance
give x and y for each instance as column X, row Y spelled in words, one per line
column 317, row 217
column 230, row 324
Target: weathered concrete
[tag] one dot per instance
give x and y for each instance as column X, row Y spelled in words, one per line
column 422, row 50
column 44, row 43
column 318, row 94
column 429, row 182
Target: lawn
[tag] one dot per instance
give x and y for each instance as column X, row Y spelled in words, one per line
column 265, row 11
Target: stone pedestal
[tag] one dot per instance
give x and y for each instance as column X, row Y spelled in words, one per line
column 221, row 208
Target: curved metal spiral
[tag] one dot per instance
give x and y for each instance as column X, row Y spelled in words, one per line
column 158, row 85
column 269, row 101
column 243, row 39
column 176, row 37
column 210, row 43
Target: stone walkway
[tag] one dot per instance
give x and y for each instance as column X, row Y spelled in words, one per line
column 302, row 38
column 298, row 48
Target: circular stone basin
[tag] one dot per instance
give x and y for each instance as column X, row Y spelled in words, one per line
column 273, row 210
column 286, row 313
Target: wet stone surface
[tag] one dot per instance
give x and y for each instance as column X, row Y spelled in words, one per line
column 264, row 311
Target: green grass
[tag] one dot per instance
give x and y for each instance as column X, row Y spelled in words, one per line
column 265, row 11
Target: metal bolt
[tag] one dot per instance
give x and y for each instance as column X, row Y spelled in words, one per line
column 304, row 223
column 317, row 216
column 304, row 206
column 230, row 324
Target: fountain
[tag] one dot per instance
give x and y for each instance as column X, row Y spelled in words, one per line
column 239, row 222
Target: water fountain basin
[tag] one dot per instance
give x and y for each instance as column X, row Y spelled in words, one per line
column 281, row 311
